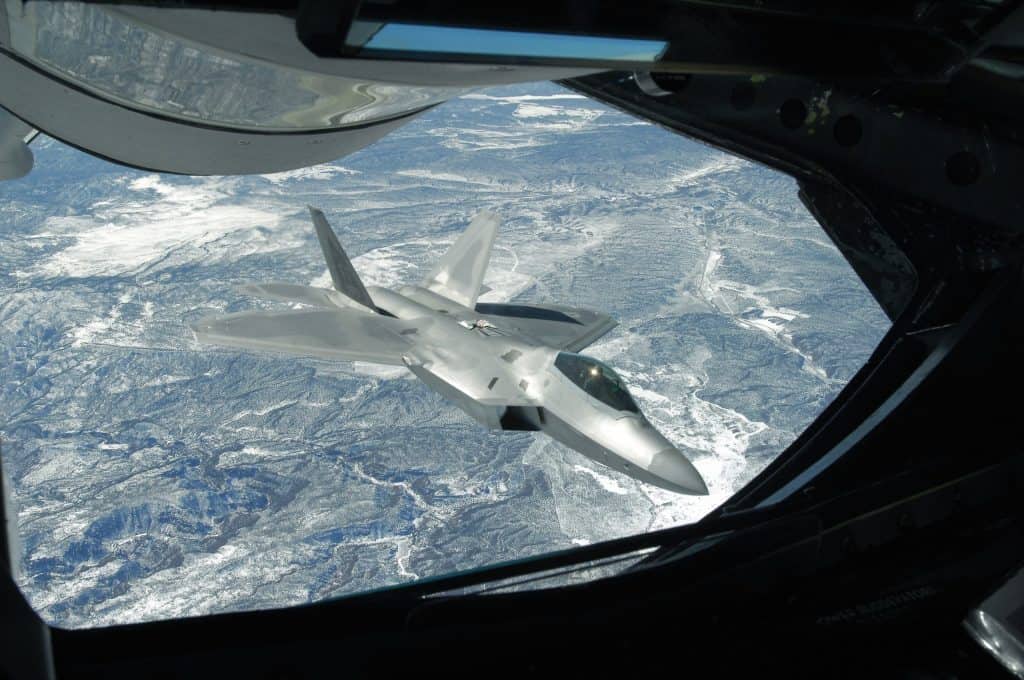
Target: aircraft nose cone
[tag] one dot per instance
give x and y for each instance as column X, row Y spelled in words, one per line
column 674, row 468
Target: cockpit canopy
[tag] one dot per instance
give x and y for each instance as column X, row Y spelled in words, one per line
column 596, row 379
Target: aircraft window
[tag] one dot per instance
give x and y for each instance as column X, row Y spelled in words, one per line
column 157, row 477
column 596, row 379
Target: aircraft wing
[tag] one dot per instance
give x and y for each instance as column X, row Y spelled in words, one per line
column 567, row 328
column 339, row 334
column 305, row 295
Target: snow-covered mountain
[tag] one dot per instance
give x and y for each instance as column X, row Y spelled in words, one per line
column 155, row 477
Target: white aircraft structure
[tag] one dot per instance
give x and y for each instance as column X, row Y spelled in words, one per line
column 509, row 366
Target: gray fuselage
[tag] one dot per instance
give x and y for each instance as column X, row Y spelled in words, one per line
column 507, row 380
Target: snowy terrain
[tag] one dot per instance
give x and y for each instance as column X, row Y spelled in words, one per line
column 155, row 477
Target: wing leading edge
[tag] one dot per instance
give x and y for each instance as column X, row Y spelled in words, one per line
column 303, row 295
column 338, row 334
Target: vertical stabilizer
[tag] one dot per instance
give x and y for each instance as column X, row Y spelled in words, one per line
column 458, row 275
column 343, row 275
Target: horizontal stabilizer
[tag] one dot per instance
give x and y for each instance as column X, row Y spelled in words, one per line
column 303, row 295
column 340, row 334
column 459, row 274
column 343, row 274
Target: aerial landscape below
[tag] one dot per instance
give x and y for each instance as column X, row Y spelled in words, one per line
column 156, row 477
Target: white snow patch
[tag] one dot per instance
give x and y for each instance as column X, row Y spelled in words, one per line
column 694, row 176
column 88, row 332
column 534, row 110
column 485, row 140
column 441, row 176
column 567, row 119
column 250, row 455
column 166, row 380
column 522, row 97
column 382, row 371
column 127, row 236
column 769, row 327
column 316, row 172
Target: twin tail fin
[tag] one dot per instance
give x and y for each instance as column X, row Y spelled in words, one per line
column 343, row 275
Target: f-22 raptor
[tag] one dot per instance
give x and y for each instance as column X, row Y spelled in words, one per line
column 509, row 366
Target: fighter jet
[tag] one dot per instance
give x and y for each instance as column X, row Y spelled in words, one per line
column 508, row 366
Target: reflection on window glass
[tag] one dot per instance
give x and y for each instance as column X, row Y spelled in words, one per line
column 142, row 68
column 157, row 478
column 596, row 379
column 420, row 38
